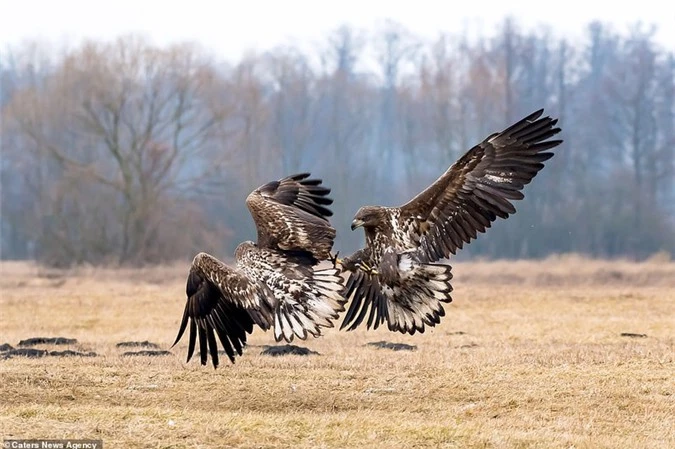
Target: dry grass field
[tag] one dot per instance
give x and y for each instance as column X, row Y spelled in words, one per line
column 530, row 354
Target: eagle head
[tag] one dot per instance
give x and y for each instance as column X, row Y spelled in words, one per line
column 368, row 217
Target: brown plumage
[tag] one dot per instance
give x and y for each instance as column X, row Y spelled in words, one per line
column 394, row 275
column 291, row 214
column 273, row 284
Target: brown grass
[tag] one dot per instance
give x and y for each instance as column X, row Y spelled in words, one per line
column 529, row 355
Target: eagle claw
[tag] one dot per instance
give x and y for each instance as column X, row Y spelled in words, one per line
column 367, row 268
column 334, row 259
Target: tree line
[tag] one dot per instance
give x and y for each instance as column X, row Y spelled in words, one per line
column 125, row 152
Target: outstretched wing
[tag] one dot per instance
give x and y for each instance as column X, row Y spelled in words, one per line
column 221, row 301
column 478, row 188
column 291, row 215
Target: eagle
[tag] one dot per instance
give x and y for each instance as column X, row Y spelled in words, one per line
column 394, row 278
column 273, row 283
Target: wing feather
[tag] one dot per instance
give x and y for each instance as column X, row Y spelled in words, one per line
column 193, row 339
column 291, row 214
column 299, row 191
column 221, row 301
column 479, row 187
column 202, row 328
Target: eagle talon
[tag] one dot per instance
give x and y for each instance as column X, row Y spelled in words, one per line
column 334, row 258
column 367, row 268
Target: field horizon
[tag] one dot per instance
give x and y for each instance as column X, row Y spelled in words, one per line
column 565, row 352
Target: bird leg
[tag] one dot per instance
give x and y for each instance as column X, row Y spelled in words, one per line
column 334, row 259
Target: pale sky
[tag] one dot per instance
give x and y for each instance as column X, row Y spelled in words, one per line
column 229, row 28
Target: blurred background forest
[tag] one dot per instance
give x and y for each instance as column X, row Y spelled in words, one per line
column 128, row 153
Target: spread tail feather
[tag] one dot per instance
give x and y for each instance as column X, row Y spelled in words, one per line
column 427, row 287
column 409, row 304
column 320, row 303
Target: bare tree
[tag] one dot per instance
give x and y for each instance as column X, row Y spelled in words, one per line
column 131, row 132
column 439, row 86
column 394, row 46
column 346, row 116
column 293, row 118
column 252, row 115
column 665, row 117
column 509, row 63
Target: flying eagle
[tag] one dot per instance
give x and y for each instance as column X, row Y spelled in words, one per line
column 394, row 275
column 273, row 283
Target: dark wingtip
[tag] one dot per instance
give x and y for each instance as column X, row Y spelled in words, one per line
column 213, row 345
column 203, row 345
column 299, row 176
column 178, row 337
column 354, row 285
column 344, row 324
column 536, row 114
column 183, row 326
column 192, row 340
column 271, row 186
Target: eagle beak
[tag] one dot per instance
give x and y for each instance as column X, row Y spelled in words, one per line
column 357, row 223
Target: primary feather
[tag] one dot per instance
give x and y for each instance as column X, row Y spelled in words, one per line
column 291, row 214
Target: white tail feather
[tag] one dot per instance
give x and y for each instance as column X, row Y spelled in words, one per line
column 319, row 304
column 419, row 299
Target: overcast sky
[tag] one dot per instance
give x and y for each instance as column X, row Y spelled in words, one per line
column 230, row 28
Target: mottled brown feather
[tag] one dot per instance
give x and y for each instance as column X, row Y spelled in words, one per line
column 291, row 215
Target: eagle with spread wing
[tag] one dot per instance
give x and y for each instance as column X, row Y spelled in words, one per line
column 273, row 284
column 395, row 275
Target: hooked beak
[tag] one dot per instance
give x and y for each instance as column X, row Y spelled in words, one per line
column 357, row 223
